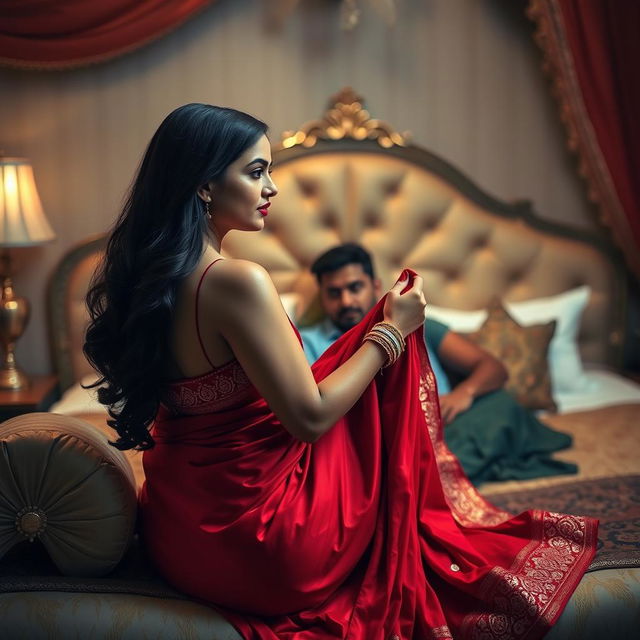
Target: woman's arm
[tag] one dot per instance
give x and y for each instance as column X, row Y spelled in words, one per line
column 483, row 373
column 240, row 300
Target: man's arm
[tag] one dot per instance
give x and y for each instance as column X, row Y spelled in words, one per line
column 483, row 373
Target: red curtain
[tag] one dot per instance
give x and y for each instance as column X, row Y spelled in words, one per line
column 592, row 50
column 68, row 33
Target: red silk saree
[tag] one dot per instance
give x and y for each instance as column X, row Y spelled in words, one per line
column 372, row 532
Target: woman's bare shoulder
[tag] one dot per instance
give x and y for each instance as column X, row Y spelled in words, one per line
column 238, row 277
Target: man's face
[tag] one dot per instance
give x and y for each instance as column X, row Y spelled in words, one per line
column 347, row 295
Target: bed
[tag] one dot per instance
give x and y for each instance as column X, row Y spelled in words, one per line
column 350, row 177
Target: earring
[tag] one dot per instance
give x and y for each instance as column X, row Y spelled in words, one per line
column 206, row 208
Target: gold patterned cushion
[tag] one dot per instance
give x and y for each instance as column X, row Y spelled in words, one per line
column 523, row 351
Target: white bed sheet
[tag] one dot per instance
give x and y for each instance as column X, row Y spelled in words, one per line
column 77, row 400
column 608, row 389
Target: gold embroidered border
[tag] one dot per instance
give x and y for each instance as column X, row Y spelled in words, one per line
column 468, row 507
column 441, row 633
column 542, row 577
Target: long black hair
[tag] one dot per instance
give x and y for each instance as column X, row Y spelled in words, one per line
column 156, row 243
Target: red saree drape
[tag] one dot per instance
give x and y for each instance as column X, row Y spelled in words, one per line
column 592, row 51
column 68, row 33
column 369, row 533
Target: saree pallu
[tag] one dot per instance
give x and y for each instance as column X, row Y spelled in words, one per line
column 373, row 532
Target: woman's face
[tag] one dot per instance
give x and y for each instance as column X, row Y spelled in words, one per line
column 240, row 200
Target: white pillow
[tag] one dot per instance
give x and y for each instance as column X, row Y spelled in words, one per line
column 456, row 320
column 565, row 365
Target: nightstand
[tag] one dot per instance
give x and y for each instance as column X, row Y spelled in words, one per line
column 38, row 397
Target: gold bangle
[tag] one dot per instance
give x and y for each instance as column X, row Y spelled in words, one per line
column 387, row 329
column 394, row 330
column 387, row 341
column 386, row 347
column 398, row 342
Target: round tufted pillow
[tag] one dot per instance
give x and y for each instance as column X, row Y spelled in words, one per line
column 63, row 483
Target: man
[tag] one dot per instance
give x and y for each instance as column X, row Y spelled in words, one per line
column 349, row 289
column 491, row 434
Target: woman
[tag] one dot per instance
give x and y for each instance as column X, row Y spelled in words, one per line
column 302, row 504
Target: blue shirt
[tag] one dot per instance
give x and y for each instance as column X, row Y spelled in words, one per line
column 318, row 337
column 434, row 332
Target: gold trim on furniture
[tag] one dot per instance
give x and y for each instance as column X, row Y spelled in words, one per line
column 345, row 118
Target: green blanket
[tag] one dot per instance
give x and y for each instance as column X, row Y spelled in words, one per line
column 497, row 439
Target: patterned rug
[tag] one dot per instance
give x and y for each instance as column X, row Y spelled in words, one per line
column 614, row 501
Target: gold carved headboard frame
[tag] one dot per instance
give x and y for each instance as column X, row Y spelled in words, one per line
column 349, row 177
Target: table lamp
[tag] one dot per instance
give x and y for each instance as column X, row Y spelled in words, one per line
column 22, row 224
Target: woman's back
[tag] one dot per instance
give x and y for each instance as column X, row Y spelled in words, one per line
column 204, row 375
column 196, row 344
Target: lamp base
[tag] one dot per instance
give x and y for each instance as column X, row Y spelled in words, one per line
column 13, row 379
column 14, row 315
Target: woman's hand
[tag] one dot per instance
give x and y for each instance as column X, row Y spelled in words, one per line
column 406, row 311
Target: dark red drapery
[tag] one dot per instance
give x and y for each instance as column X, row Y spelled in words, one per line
column 68, row 33
column 592, row 50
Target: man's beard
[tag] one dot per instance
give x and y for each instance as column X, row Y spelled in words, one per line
column 345, row 322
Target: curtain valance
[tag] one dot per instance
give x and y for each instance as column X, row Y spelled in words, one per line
column 50, row 34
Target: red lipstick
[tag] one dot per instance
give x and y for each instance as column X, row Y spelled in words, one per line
column 263, row 208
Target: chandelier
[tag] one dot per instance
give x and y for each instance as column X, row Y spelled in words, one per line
column 350, row 11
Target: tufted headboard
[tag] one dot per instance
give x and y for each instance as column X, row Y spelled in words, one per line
column 348, row 177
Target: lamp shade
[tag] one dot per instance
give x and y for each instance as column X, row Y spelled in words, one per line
column 22, row 220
